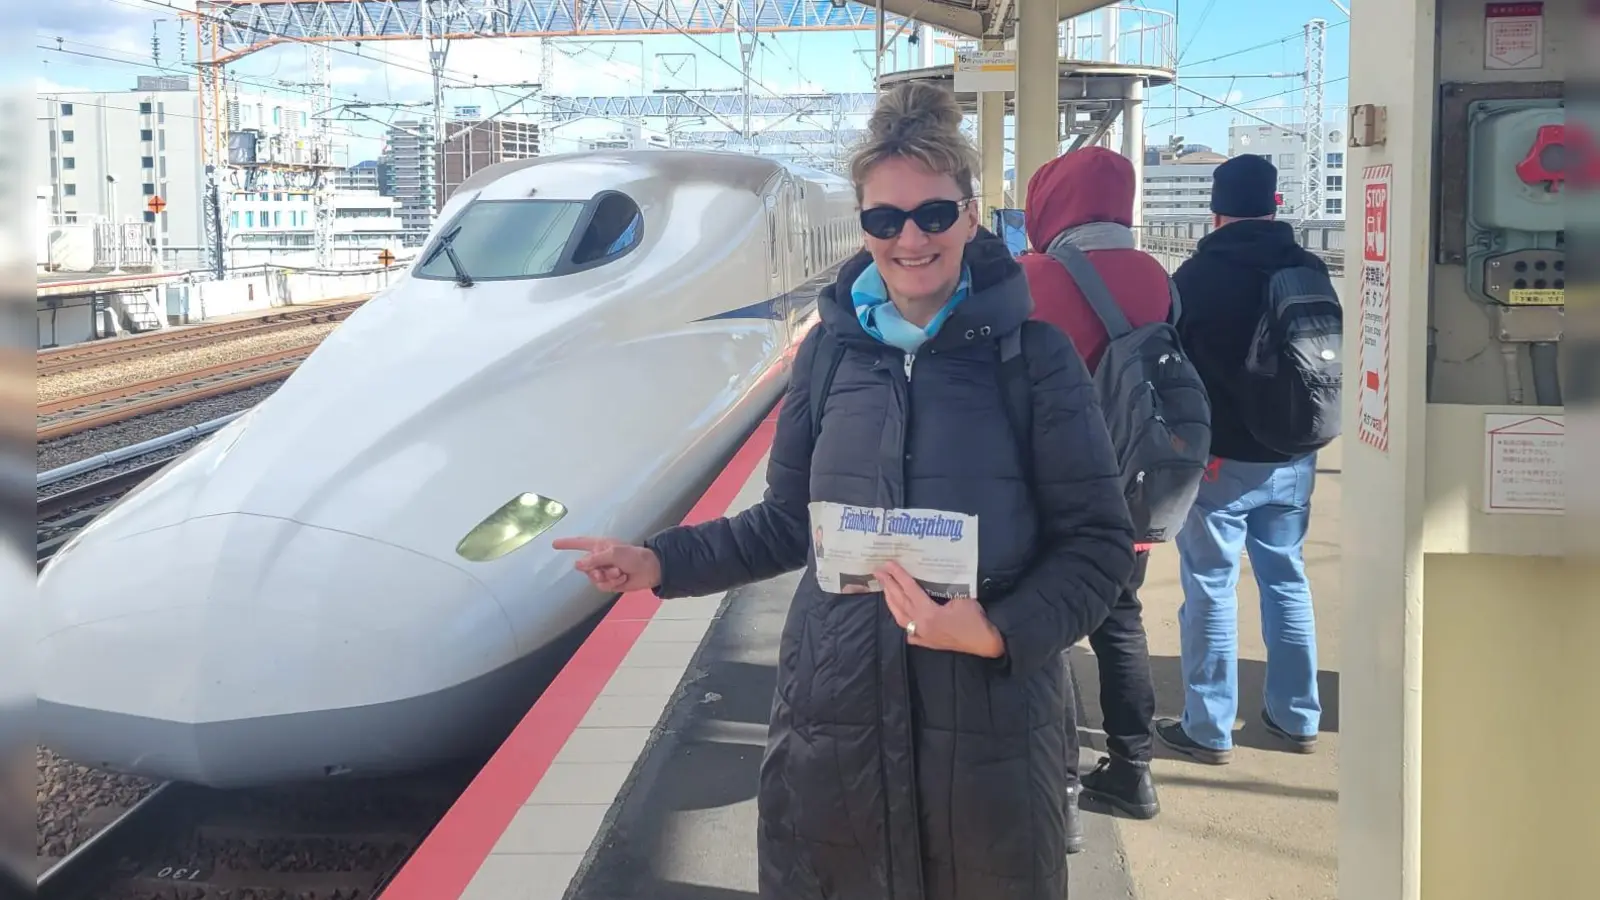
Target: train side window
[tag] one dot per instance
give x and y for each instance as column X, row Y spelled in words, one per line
column 616, row 226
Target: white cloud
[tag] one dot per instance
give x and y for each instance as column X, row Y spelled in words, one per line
column 1234, row 96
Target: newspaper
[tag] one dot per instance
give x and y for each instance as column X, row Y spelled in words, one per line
column 938, row 549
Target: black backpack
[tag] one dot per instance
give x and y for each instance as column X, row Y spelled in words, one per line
column 1155, row 404
column 1289, row 394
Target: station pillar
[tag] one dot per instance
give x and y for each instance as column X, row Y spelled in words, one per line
column 992, row 144
column 1038, row 108
column 1133, row 141
column 1468, row 694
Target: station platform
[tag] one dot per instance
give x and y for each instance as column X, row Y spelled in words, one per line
column 634, row 776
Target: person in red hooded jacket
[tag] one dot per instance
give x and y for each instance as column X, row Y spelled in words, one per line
column 1086, row 198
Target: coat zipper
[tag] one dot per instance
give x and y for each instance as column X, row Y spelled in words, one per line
column 905, row 654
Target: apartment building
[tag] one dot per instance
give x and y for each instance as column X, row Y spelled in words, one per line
column 1178, row 185
column 411, row 152
column 473, row 145
column 107, row 153
column 1285, row 147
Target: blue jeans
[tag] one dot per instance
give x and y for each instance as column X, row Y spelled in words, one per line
column 1265, row 508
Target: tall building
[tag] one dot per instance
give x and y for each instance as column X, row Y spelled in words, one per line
column 107, row 153
column 410, row 150
column 471, row 146
column 1286, row 148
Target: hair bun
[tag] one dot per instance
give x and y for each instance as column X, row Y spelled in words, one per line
column 912, row 109
column 919, row 122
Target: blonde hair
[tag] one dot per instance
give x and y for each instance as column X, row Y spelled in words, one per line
column 919, row 122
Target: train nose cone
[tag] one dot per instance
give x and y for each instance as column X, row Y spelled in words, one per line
column 240, row 649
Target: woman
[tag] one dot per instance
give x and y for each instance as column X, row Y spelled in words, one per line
column 916, row 749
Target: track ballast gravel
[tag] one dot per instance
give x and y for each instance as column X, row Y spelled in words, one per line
column 177, row 362
column 84, row 444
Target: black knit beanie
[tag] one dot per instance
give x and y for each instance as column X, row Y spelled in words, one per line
column 1245, row 187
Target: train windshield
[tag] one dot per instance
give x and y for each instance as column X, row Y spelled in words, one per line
column 507, row 239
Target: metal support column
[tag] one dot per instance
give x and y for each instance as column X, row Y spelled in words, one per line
column 1133, row 141
column 992, row 143
column 1038, row 136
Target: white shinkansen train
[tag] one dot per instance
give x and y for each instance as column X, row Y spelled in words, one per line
column 356, row 576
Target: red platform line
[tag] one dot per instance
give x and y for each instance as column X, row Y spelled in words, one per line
column 451, row 855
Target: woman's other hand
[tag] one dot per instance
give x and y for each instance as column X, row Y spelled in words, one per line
column 958, row 626
column 613, row 566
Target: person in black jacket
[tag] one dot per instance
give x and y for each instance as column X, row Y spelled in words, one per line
column 1252, row 497
column 916, row 749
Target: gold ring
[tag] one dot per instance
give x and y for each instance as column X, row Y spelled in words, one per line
column 911, row 629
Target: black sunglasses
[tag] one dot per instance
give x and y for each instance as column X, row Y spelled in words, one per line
column 886, row 222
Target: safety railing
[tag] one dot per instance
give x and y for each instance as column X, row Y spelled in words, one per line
column 1176, row 238
column 1120, row 34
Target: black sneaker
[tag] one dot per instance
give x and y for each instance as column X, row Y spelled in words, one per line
column 1171, row 733
column 1074, row 822
column 1300, row 743
column 1124, row 784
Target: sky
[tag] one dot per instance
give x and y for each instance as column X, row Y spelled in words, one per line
column 1224, row 47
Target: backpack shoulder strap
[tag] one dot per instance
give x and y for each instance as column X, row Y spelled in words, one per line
column 1176, row 312
column 1093, row 287
column 825, row 359
column 1017, row 383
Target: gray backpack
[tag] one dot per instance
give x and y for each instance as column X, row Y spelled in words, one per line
column 1155, row 405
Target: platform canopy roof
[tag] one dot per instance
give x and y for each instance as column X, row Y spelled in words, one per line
column 977, row 18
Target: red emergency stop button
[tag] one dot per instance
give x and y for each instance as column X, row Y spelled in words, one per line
column 1546, row 162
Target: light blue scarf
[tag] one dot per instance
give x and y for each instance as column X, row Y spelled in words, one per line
column 883, row 321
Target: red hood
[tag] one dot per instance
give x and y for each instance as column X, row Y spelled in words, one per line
column 1089, row 185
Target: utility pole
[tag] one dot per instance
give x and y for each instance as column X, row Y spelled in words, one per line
column 322, row 212
column 1316, row 137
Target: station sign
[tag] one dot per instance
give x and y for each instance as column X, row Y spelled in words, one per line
column 979, row 71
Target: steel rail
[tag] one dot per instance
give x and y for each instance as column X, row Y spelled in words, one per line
column 189, row 339
column 77, row 875
column 105, row 349
column 57, row 419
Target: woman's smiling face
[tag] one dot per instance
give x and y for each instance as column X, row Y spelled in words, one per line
column 919, row 268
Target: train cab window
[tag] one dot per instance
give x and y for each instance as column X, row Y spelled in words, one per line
column 616, row 226
column 503, row 239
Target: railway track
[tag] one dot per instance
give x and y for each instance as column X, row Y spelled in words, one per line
column 330, row 840
column 70, row 415
column 64, row 513
column 97, row 353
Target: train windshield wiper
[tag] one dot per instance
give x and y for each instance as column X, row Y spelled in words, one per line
column 446, row 246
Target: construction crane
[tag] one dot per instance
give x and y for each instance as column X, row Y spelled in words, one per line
column 228, row 30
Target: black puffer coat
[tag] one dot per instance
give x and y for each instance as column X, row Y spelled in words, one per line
column 898, row 773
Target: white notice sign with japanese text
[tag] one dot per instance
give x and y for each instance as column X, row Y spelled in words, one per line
column 938, row 549
column 1524, row 463
column 1373, row 430
column 1513, row 36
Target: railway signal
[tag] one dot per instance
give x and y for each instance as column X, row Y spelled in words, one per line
column 385, row 257
column 155, row 204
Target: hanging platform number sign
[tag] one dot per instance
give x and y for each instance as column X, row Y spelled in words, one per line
column 1513, row 36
